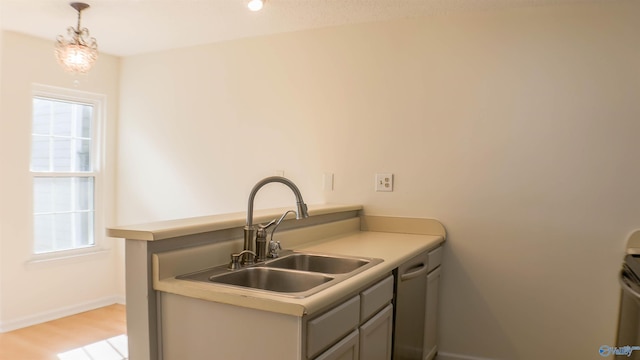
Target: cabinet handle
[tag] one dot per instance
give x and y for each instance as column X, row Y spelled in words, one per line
column 414, row 272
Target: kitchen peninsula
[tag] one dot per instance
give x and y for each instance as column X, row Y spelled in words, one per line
column 157, row 253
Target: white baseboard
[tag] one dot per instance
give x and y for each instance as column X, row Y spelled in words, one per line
column 59, row 313
column 450, row 356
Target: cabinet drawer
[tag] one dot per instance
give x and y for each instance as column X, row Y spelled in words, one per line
column 435, row 258
column 375, row 298
column 327, row 328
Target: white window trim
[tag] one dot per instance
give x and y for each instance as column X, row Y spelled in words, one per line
column 99, row 103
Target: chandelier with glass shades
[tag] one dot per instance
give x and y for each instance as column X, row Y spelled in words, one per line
column 80, row 52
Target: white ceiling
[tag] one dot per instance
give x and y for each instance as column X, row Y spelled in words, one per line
column 128, row 27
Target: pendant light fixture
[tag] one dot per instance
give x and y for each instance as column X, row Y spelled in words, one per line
column 80, row 52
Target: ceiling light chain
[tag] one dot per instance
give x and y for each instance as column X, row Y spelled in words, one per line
column 78, row 54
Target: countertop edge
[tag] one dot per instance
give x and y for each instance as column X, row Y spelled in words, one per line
column 189, row 226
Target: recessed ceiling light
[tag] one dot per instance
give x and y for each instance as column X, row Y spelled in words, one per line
column 255, row 5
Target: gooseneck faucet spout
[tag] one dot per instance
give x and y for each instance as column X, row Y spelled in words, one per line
column 250, row 229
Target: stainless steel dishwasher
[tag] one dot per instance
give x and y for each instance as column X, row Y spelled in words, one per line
column 410, row 308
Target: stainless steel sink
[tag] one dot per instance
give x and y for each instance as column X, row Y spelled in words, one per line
column 295, row 274
column 328, row 264
column 272, row 279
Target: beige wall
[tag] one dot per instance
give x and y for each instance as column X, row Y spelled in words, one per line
column 516, row 128
column 33, row 292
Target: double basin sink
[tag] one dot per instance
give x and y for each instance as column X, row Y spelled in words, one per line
column 294, row 274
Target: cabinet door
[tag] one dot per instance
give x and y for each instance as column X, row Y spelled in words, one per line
column 375, row 336
column 346, row 349
column 430, row 338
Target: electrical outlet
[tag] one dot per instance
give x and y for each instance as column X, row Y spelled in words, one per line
column 384, row 182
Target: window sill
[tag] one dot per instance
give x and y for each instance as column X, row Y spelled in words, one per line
column 67, row 257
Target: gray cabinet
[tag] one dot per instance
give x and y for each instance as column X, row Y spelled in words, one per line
column 359, row 328
column 347, row 349
column 375, row 336
column 325, row 329
column 352, row 329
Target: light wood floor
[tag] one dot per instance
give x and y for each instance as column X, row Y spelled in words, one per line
column 64, row 336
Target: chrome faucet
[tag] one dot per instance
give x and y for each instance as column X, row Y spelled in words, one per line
column 250, row 229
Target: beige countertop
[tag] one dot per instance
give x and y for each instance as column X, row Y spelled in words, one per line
column 393, row 248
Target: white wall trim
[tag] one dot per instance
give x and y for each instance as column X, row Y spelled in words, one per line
column 450, row 356
column 59, row 313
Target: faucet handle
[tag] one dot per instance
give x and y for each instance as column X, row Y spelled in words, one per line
column 262, row 230
column 267, row 225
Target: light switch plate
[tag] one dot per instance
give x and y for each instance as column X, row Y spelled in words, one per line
column 384, row 182
column 327, row 181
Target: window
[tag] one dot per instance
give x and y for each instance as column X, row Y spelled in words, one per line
column 64, row 172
